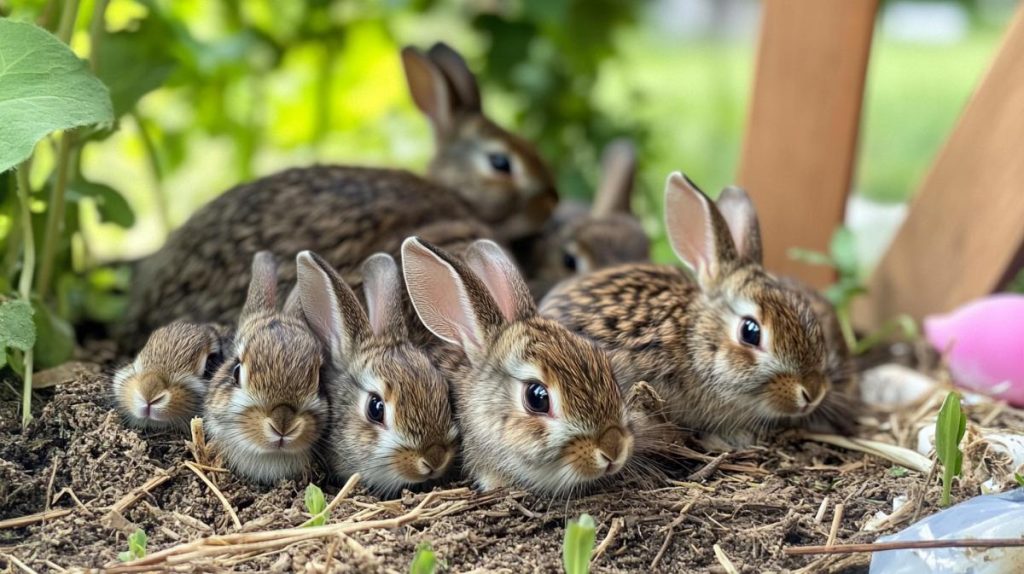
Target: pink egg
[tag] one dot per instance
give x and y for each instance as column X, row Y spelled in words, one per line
column 984, row 343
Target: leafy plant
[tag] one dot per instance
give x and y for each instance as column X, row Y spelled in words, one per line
column 316, row 505
column 897, row 472
column 425, row 561
column 578, row 545
column 136, row 546
column 849, row 285
column 1019, row 478
column 950, row 427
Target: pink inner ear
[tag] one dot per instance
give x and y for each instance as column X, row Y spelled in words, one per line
column 439, row 296
column 489, row 262
column 428, row 87
column 380, row 282
column 688, row 222
column 318, row 305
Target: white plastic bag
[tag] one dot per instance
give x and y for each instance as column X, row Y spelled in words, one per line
column 988, row 516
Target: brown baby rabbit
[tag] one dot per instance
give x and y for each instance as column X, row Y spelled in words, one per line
column 391, row 420
column 579, row 239
column 483, row 182
column 732, row 350
column 165, row 385
column 537, row 406
column 264, row 411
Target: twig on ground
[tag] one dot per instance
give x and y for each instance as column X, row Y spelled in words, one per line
column 613, row 530
column 74, row 497
column 821, row 510
column 708, row 469
column 905, row 545
column 49, row 485
column 723, row 559
column 135, row 495
column 919, row 503
column 837, row 519
column 663, row 548
column 216, row 491
column 14, row 560
column 33, row 518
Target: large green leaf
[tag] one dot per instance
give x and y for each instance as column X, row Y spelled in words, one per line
column 112, row 206
column 55, row 340
column 44, row 87
column 16, row 328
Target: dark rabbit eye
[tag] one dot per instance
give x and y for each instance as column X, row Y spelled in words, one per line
column 500, row 162
column 536, row 398
column 750, row 332
column 213, row 362
column 569, row 261
column 375, row 409
column 236, row 373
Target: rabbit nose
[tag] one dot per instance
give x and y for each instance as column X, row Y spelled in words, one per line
column 612, row 450
column 434, row 460
column 806, row 398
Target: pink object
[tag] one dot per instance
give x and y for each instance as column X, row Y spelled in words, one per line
column 984, row 342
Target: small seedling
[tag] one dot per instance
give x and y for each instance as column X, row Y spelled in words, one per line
column 1019, row 478
column 136, row 547
column 424, row 562
column 949, row 431
column 316, row 505
column 578, row 545
column 897, row 472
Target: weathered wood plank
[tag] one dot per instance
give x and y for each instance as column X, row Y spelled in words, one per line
column 801, row 140
column 964, row 234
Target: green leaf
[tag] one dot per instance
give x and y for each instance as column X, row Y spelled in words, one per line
column 950, row 427
column 112, row 206
column 424, row 562
column 897, row 472
column 55, row 340
column 810, row 257
column 315, row 505
column 843, row 250
column 578, row 545
column 134, row 63
column 1019, row 478
column 16, row 328
column 136, row 546
column 44, row 87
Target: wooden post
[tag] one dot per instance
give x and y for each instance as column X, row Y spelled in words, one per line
column 964, row 235
column 801, row 141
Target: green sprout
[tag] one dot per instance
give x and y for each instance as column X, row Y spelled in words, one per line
column 949, row 431
column 578, row 545
column 1019, row 478
column 424, row 562
column 136, row 546
column 316, row 505
column 897, row 472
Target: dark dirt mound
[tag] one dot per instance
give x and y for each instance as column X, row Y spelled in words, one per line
column 100, row 481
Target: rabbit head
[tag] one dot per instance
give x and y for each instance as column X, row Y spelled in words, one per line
column 579, row 240
column 758, row 342
column 164, row 386
column 500, row 174
column 264, row 408
column 392, row 421
column 538, row 406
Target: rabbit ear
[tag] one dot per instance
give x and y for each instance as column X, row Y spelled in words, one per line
column 450, row 300
column 697, row 232
column 618, row 169
column 262, row 286
column 382, row 287
column 738, row 211
column 502, row 279
column 429, row 89
column 331, row 308
column 293, row 304
column 466, row 93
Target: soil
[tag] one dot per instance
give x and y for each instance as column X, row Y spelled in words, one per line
column 79, row 462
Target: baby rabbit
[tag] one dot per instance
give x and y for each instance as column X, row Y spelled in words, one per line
column 732, row 350
column 165, row 385
column 391, row 420
column 483, row 182
column 579, row 239
column 264, row 410
column 537, row 406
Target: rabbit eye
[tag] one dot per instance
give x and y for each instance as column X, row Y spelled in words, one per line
column 500, row 162
column 236, row 373
column 213, row 362
column 750, row 332
column 569, row 261
column 536, row 398
column 375, row 409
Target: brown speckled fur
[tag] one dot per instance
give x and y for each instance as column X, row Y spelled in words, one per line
column 662, row 327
